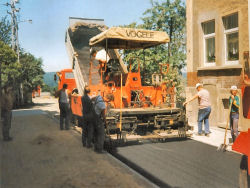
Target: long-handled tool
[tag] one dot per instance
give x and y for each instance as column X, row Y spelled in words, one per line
column 223, row 146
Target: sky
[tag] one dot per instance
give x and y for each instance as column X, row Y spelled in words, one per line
column 44, row 38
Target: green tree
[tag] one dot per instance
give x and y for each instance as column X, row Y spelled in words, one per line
column 27, row 72
column 46, row 88
column 10, row 68
column 32, row 72
column 168, row 16
column 5, row 30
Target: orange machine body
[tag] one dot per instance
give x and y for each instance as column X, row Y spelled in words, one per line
column 76, row 105
column 66, row 76
column 134, row 94
column 132, row 103
column 242, row 145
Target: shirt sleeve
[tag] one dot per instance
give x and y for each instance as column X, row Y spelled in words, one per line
column 101, row 104
column 237, row 100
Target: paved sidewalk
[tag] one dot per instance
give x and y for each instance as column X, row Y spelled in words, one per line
column 48, row 104
column 216, row 138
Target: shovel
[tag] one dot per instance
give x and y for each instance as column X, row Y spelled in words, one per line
column 223, row 146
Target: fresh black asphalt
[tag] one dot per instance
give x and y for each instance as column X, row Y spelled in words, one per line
column 184, row 164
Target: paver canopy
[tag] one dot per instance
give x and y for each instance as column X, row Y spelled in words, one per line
column 128, row 38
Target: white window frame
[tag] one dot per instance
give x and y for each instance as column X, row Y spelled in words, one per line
column 208, row 36
column 226, row 32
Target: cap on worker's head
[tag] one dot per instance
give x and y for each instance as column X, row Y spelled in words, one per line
column 198, row 85
column 233, row 88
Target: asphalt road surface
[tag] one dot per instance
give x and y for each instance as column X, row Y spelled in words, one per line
column 42, row 156
column 185, row 164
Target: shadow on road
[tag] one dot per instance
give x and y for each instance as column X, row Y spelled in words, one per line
column 141, row 171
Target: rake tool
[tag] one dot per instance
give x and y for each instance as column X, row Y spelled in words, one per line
column 223, row 146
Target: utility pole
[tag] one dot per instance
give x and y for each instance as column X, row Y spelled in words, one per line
column 15, row 42
column 14, row 23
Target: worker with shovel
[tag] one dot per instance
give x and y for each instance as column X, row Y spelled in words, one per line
column 234, row 102
column 204, row 108
column 233, row 117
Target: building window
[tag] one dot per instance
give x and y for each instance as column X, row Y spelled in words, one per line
column 231, row 36
column 209, row 42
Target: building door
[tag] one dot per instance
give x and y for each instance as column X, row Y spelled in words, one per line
column 213, row 98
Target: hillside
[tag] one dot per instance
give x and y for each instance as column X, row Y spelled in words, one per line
column 48, row 79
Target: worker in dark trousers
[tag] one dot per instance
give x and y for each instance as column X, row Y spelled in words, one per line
column 6, row 113
column 99, row 126
column 64, row 106
column 234, row 102
column 88, row 119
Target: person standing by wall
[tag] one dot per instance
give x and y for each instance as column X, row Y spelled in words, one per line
column 6, row 113
column 234, row 102
column 88, row 119
column 64, row 106
column 204, row 108
column 99, row 126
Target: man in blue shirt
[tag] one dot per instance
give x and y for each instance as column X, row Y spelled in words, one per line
column 99, row 126
column 234, row 114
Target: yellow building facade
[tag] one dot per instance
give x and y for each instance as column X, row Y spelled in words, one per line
column 217, row 55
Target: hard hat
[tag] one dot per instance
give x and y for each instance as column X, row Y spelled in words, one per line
column 233, row 88
column 198, row 85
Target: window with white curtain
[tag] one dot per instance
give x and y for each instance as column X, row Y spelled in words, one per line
column 231, row 37
column 209, row 42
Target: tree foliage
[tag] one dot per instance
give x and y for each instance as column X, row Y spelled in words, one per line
column 28, row 71
column 10, row 68
column 5, row 30
column 32, row 72
column 168, row 16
